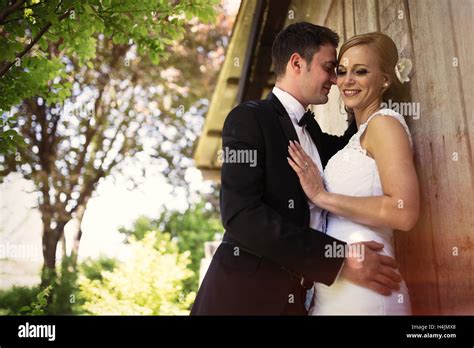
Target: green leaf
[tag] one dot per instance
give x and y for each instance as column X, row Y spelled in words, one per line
column 43, row 44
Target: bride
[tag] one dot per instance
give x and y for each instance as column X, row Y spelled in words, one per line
column 370, row 187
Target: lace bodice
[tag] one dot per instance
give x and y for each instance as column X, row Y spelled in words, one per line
column 350, row 171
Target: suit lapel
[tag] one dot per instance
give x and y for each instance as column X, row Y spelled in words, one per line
column 283, row 118
column 290, row 133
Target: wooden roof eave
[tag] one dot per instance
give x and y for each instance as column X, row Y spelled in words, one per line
column 229, row 87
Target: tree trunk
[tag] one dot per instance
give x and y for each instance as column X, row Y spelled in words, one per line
column 77, row 237
column 51, row 238
column 63, row 244
column 75, row 246
column 50, row 242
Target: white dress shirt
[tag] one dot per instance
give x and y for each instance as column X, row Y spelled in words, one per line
column 295, row 110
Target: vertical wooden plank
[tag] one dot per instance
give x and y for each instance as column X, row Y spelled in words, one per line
column 349, row 25
column 331, row 116
column 462, row 15
column 441, row 139
column 415, row 261
column 320, row 10
column 393, row 20
column 334, row 19
column 365, row 16
column 310, row 11
column 296, row 12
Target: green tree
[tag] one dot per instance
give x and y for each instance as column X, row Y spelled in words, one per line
column 99, row 61
column 62, row 297
column 36, row 35
column 93, row 268
column 149, row 283
column 190, row 230
column 38, row 307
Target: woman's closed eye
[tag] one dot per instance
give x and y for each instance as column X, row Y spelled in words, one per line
column 361, row 72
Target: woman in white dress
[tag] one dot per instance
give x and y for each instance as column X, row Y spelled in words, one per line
column 370, row 187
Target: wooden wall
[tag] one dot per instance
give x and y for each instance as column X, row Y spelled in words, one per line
column 437, row 256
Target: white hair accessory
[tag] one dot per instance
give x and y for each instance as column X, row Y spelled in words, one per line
column 403, row 69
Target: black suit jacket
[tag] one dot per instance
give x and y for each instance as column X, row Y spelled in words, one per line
column 268, row 244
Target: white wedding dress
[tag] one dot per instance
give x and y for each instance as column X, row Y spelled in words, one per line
column 351, row 172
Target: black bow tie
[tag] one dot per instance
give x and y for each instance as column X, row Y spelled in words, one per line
column 308, row 115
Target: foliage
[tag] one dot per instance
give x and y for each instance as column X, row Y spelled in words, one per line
column 10, row 140
column 65, row 294
column 60, row 297
column 93, row 268
column 17, row 297
column 35, row 36
column 99, row 104
column 158, row 279
column 87, row 97
column 38, row 307
column 189, row 229
column 150, row 283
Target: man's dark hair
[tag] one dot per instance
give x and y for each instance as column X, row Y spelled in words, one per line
column 303, row 38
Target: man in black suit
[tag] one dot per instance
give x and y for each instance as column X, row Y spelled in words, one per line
column 273, row 250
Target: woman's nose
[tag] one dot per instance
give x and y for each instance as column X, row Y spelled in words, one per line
column 349, row 79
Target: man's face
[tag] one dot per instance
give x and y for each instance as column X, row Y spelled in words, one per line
column 318, row 76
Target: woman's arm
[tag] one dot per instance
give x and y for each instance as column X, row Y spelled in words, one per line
column 398, row 208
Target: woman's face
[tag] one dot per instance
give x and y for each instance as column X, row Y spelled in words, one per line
column 359, row 78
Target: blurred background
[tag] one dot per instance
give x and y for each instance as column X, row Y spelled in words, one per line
column 102, row 208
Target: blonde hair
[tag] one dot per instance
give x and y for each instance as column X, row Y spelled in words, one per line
column 387, row 57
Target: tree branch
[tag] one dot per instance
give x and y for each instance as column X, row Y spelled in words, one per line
column 9, row 10
column 33, row 5
column 8, row 65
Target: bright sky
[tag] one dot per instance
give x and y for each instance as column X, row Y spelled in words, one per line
column 231, row 6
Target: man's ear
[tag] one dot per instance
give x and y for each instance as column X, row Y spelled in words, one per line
column 295, row 61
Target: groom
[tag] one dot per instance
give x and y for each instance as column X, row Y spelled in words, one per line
column 273, row 249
